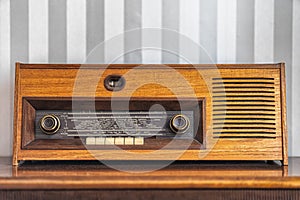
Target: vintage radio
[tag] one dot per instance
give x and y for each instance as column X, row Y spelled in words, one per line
column 150, row 112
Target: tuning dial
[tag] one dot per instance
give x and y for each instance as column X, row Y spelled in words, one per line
column 50, row 124
column 179, row 123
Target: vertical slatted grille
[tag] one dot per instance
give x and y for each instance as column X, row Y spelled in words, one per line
column 244, row 107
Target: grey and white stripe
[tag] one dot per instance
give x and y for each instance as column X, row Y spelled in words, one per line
column 152, row 18
column 38, row 30
column 226, row 31
column 57, row 31
column 264, row 31
column 245, row 31
column 6, row 84
column 76, row 31
column 230, row 31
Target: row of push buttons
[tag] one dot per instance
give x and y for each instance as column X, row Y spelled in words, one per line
column 114, row 141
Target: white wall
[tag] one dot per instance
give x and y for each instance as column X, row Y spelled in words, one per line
column 231, row 31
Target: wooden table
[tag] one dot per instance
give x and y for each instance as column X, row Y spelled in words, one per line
column 181, row 180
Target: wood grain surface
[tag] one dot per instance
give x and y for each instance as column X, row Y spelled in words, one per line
column 50, row 175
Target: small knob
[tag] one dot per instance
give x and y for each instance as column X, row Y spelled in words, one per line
column 179, row 123
column 50, row 124
column 114, row 82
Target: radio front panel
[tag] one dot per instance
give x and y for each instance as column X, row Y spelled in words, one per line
column 97, row 128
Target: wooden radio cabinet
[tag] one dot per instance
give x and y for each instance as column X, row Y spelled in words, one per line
column 211, row 112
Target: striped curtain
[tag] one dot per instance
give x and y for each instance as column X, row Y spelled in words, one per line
column 230, row 31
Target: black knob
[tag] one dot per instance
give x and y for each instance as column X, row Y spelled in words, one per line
column 50, row 124
column 179, row 123
column 114, row 82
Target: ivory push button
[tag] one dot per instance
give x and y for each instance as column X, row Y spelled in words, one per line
column 139, row 141
column 129, row 141
column 109, row 141
column 90, row 141
column 119, row 141
column 100, row 141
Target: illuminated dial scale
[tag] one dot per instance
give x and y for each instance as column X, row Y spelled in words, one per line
column 118, row 127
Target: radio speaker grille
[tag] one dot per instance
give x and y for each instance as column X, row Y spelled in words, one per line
column 244, row 107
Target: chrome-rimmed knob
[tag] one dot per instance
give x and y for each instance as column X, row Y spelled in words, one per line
column 50, row 124
column 179, row 123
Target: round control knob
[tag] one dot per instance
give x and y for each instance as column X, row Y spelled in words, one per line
column 179, row 123
column 49, row 124
column 114, row 82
